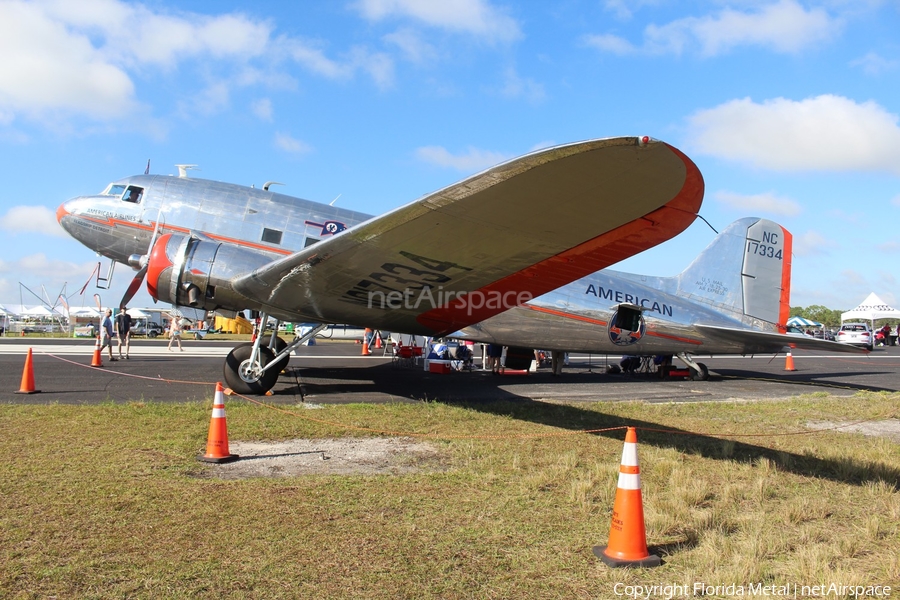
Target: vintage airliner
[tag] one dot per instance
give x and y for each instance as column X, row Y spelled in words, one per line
column 478, row 259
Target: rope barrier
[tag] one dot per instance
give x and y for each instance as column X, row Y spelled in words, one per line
column 551, row 434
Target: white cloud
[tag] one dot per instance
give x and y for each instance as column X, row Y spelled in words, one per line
column 625, row 9
column 378, row 65
column 610, row 43
column 891, row 247
column 514, row 86
column 262, row 108
column 291, row 144
column 37, row 270
column 476, row 17
column 412, row 46
column 874, row 64
column 822, row 133
column 474, row 160
column 81, row 58
column 768, row 203
column 55, row 70
column 812, row 243
column 783, row 26
column 31, row 219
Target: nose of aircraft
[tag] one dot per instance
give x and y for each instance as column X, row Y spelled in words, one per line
column 67, row 209
column 61, row 212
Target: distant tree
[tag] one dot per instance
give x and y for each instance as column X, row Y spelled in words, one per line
column 821, row 314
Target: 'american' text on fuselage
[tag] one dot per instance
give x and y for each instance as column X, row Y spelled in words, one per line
column 619, row 296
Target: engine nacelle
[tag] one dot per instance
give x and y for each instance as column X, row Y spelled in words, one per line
column 190, row 271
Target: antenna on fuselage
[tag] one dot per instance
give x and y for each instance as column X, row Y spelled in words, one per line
column 183, row 169
column 335, row 200
column 268, row 183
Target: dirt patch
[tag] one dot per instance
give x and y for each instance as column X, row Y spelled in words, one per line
column 343, row 456
column 888, row 428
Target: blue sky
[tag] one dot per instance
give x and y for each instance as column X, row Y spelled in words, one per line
column 789, row 108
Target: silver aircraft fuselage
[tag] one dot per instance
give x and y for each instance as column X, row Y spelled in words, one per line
column 118, row 228
column 580, row 316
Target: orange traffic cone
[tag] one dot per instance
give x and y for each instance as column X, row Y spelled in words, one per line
column 365, row 342
column 789, row 362
column 627, row 537
column 378, row 344
column 97, row 361
column 27, row 386
column 217, row 440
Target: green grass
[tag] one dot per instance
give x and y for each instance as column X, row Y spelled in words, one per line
column 109, row 501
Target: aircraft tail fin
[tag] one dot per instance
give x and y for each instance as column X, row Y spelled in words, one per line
column 745, row 271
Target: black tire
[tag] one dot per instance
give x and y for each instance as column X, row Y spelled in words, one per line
column 151, row 334
column 280, row 345
column 703, row 375
column 247, row 385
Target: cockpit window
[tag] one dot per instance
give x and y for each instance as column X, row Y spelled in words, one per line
column 133, row 194
column 128, row 193
column 114, row 189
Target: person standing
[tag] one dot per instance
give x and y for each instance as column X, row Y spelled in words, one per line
column 175, row 328
column 123, row 332
column 557, row 359
column 106, row 333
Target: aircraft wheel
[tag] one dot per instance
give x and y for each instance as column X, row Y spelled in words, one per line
column 280, row 345
column 244, row 377
column 703, row 375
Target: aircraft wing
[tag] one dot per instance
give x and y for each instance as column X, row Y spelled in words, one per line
column 765, row 342
column 478, row 247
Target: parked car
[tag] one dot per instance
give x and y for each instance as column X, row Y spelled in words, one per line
column 148, row 328
column 857, row 334
column 824, row 334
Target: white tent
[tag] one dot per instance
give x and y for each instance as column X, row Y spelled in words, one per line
column 36, row 311
column 137, row 313
column 871, row 308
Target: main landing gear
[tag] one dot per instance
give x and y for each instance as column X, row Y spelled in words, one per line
column 252, row 368
column 699, row 372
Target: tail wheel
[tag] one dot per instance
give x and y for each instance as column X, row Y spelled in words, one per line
column 247, row 378
column 280, row 345
column 702, row 375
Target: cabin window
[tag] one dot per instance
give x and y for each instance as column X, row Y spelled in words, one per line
column 271, row 236
column 309, row 242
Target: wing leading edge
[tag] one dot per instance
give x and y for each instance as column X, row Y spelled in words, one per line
column 485, row 244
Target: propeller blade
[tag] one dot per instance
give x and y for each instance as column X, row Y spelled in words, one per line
column 133, row 287
column 135, row 284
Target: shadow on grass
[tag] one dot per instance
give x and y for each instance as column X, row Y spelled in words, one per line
column 497, row 395
column 662, row 435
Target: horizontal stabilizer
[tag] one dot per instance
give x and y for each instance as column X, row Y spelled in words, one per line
column 765, row 342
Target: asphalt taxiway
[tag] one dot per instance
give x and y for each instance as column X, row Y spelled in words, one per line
column 335, row 372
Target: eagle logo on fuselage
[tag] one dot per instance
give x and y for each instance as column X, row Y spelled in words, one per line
column 625, row 337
